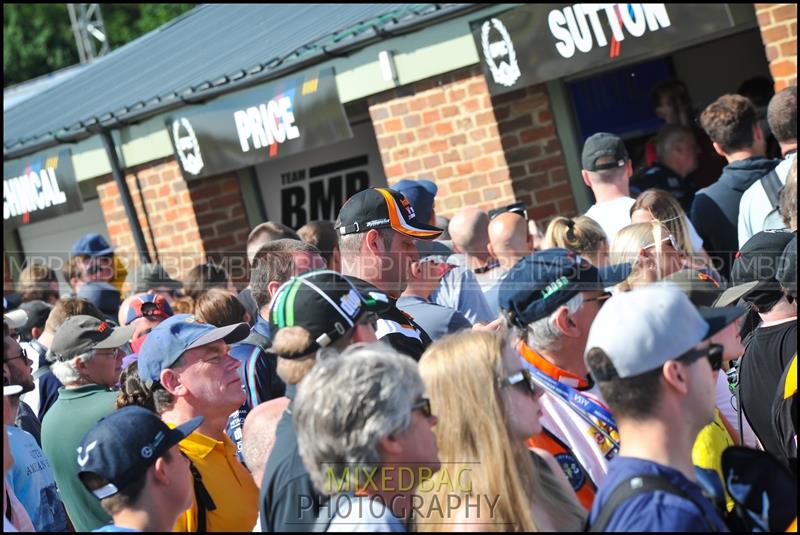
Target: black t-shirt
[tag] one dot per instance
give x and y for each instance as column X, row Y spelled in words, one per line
column 767, row 355
column 784, row 414
column 395, row 326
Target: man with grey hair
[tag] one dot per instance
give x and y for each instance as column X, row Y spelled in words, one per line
column 315, row 311
column 677, row 154
column 364, row 413
column 87, row 359
column 377, row 228
column 552, row 297
column 607, row 170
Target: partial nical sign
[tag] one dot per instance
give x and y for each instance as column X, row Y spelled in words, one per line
column 315, row 185
column 285, row 117
column 540, row 42
column 39, row 187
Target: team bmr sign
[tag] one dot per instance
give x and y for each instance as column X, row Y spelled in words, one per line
column 39, row 187
column 536, row 43
column 286, row 117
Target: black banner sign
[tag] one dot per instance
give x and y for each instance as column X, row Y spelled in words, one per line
column 39, row 187
column 288, row 116
column 540, row 42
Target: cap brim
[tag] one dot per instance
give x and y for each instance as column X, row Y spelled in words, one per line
column 16, row 319
column 230, row 334
column 719, row 318
column 376, row 302
column 734, row 293
column 611, row 275
column 119, row 337
column 184, row 430
column 11, row 390
column 420, row 231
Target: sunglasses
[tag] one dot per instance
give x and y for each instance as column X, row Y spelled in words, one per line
column 522, row 379
column 672, row 241
column 424, row 406
column 23, row 354
column 713, row 352
column 517, row 208
column 600, row 298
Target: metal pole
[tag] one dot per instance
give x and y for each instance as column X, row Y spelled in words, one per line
column 127, row 202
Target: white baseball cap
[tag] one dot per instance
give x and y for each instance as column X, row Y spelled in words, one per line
column 10, row 390
column 642, row 329
column 16, row 319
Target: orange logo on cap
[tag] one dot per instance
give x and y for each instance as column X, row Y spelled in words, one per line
column 103, row 326
column 705, row 277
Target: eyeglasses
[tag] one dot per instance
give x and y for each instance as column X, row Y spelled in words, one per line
column 672, row 241
column 23, row 354
column 714, row 352
column 424, row 406
column 524, row 379
column 600, row 298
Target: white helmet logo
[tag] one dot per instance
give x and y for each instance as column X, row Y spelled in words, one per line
column 503, row 72
column 186, row 146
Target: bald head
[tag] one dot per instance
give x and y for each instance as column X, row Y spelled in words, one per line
column 508, row 237
column 259, row 435
column 469, row 231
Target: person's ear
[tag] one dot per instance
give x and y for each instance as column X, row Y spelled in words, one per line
column 565, row 323
column 586, row 179
column 389, row 444
column 272, row 288
column 160, row 473
column 172, row 383
column 490, row 249
column 36, row 332
column 374, row 243
column 758, row 133
column 718, row 149
column 676, row 375
column 415, row 270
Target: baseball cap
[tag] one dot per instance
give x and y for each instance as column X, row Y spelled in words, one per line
column 102, row 295
column 37, row 310
column 148, row 306
column 760, row 256
column 15, row 319
column 435, row 250
column 699, row 287
column 604, row 146
column 82, row 333
column 92, row 245
column 383, row 208
column 421, row 196
column 172, row 337
column 642, row 329
column 150, row 277
column 123, row 445
column 543, row 281
column 787, row 270
column 10, row 390
column 325, row 304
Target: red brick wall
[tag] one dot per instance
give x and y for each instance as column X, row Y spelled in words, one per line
column 533, row 152
column 446, row 129
column 778, row 23
column 191, row 223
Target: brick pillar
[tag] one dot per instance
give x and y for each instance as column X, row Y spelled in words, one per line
column 533, row 151
column 190, row 222
column 778, row 23
column 479, row 152
column 444, row 129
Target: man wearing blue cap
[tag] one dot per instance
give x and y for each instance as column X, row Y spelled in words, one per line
column 186, row 367
column 551, row 297
column 130, row 461
column 91, row 260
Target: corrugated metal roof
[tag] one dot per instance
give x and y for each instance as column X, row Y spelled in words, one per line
column 213, row 45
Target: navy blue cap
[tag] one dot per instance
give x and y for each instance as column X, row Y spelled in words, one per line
column 543, row 281
column 92, row 245
column 104, row 296
column 420, row 193
column 123, row 445
column 172, row 337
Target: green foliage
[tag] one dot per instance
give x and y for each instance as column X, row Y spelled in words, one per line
column 38, row 38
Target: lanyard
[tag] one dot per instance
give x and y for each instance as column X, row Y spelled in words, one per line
column 582, row 405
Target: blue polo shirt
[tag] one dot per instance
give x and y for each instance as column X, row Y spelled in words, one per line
column 658, row 510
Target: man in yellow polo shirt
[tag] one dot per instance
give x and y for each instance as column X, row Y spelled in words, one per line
column 186, row 366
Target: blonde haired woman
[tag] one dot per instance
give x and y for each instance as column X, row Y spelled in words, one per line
column 651, row 249
column 487, row 408
column 659, row 205
column 582, row 235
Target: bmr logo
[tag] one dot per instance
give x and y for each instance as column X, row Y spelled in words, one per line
column 186, row 146
column 578, row 27
column 503, row 72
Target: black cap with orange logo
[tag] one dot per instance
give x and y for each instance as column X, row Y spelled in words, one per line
column 381, row 208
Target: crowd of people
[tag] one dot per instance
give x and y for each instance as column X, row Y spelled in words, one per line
column 630, row 369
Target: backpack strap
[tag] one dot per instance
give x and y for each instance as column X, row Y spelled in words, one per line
column 256, row 339
column 204, row 501
column 642, row 484
column 772, row 185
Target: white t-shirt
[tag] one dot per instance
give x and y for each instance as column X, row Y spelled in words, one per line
column 755, row 211
column 612, row 215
